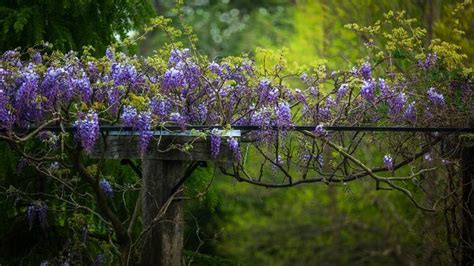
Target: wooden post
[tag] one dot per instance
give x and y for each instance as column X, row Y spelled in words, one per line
column 161, row 171
column 467, row 172
column 164, row 243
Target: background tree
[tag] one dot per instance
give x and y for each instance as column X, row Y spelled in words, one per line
column 68, row 24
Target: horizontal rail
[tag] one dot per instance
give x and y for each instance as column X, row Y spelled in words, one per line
column 258, row 128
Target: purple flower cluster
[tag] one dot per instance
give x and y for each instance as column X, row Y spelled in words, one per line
column 319, row 131
column 283, row 115
column 144, row 127
column 396, row 103
column 367, row 90
column 341, row 92
column 234, row 147
column 388, row 162
column 106, row 188
column 429, row 62
column 129, row 116
column 215, row 143
column 160, row 107
column 410, row 112
column 86, row 130
column 366, row 71
column 435, row 97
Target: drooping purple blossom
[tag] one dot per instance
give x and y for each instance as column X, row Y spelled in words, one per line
column 396, row 103
column 178, row 55
column 234, row 147
column 367, row 90
column 160, row 107
column 124, row 74
column 435, row 97
column 283, row 115
column 306, row 78
column 388, row 162
column 410, row 112
column 319, row 131
column 178, row 119
column 385, row 91
column 299, row 96
column 110, row 54
column 262, row 117
column 314, row 91
column 144, row 127
column 87, row 131
column 129, row 116
column 215, row 68
column 429, row 61
column 366, row 71
column 341, row 92
column 7, row 118
column 173, row 78
column 215, row 143
column 268, row 94
column 106, row 188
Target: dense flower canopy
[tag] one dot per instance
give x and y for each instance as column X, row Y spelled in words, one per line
column 182, row 89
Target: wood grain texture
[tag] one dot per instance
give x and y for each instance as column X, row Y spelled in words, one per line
column 166, row 148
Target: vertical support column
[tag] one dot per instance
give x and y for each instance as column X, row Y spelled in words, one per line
column 467, row 171
column 164, row 243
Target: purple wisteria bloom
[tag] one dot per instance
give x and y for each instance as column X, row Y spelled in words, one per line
column 384, row 88
column 86, row 130
column 341, row 92
column 388, row 162
column 234, row 147
column 106, row 188
column 144, row 126
column 410, row 112
column 129, row 116
column 435, row 97
column 366, row 71
column 429, row 61
column 396, row 103
column 367, row 90
column 283, row 115
column 215, row 143
column 319, row 131
column 7, row 119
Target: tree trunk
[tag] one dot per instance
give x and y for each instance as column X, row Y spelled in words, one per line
column 164, row 243
column 467, row 244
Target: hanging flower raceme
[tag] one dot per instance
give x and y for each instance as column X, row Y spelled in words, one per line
column 388, row 162
column 367, row 90
column 106, row 188
column 319, row 131
column 435, row 97
column 215, row 143
column 234, row 147
column 86, row 130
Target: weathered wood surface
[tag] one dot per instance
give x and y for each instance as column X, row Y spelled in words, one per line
column 164, row 243
column 164, row 148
